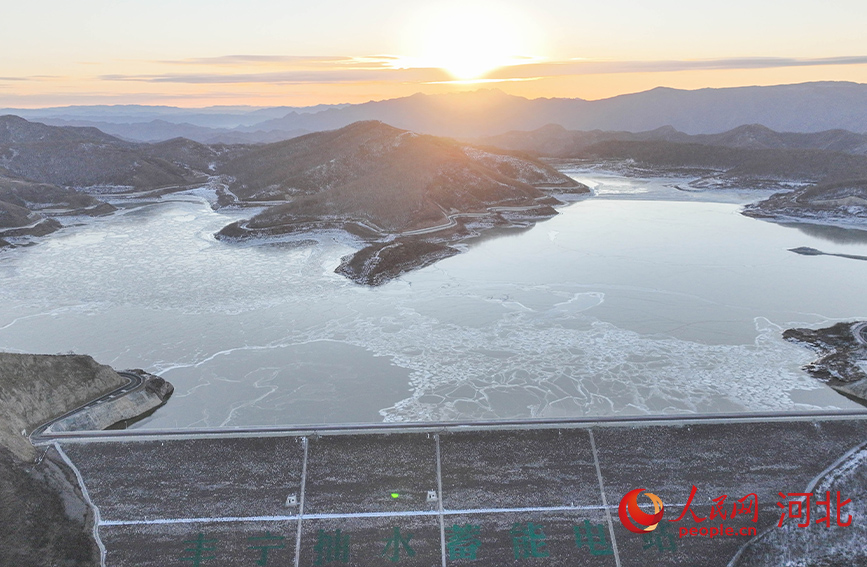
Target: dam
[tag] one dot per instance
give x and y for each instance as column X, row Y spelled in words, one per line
column 528, row 492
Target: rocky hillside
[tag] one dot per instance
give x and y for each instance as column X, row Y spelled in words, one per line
column 47, row 172
column 740, row 164
column 46, row 520
column 84, row 157
column 368, row 154
column 27, row 208
column 37, row 388
column 837, row 194
column 835, row 161
column 392, row 179
column 744, row 157
column 382, row 180
column 192, row 157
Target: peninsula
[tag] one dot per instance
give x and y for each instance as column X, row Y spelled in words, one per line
column 409, row 198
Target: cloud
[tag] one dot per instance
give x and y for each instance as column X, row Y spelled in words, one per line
column 33, row 78
column 294, row 76
column 388, row 68
column 13, row 101
column 254, row 59
column 292, row 61
column 590, row 67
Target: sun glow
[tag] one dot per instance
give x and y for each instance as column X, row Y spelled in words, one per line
column 470, row 41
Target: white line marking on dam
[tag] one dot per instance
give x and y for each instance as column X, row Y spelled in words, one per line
column 301, row 504
column 445, row 512
column 604, row 500
column 440, row 500
column 206, row 520
column 97, row 520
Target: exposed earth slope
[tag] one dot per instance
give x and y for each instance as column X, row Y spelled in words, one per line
column 37, row 388
column 46, row 521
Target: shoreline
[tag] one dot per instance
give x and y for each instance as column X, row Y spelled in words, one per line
column 832, row 222
column 387, row 255
column 842, row 350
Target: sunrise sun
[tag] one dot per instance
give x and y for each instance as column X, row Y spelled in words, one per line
column 470, row 41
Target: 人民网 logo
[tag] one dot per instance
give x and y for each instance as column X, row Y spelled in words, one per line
column 631, row 514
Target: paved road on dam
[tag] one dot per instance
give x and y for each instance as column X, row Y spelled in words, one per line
column 479, row 496
column 135, row 382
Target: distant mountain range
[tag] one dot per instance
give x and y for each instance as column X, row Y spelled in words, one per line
column 138, row 123
column 209, row 117
column 806, row 107
column 161, row 130
column 554, row 140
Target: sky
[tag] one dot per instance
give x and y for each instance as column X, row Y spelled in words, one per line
column 194, row 53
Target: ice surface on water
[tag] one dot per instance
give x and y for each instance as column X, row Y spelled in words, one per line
column 554, row 362
column 535, row 324
column 613, row 186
